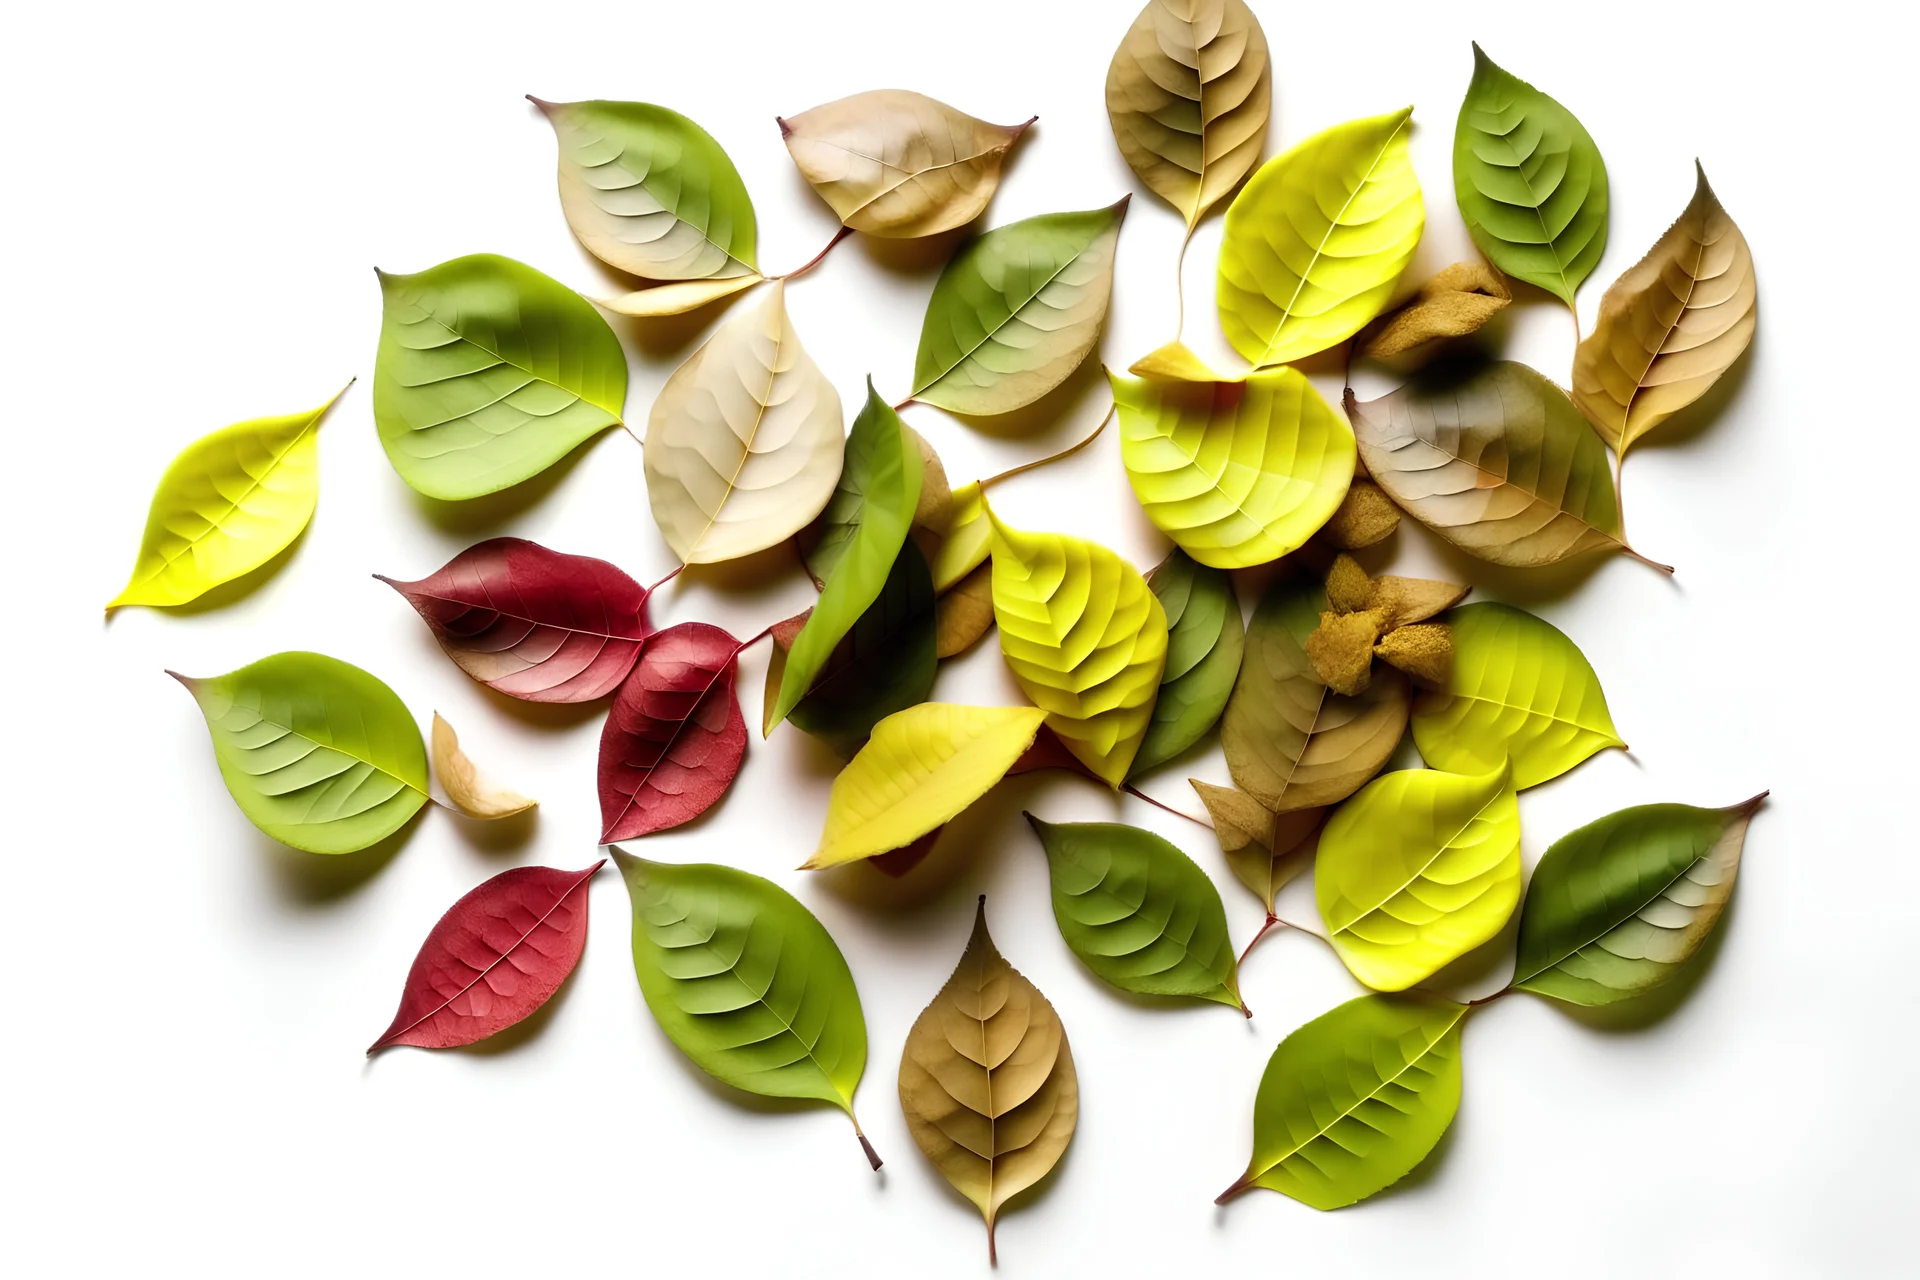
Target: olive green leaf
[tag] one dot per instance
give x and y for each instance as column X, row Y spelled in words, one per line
column 884, row 664
column 1353, row 1101
column 1529, row 181
column 823, row 542
column 1205, row 637
column 1138, row 912
column 1317, row 238
column 1615, row 908
column 1016, row 311
column 968, row 541
column 1237, row 473
column 1520, row 691
column 1264, row 849
column 489, row 373
column 316, row 752
column 1418, row 869
column 747, row 982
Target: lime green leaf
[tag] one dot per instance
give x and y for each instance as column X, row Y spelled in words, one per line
column 1138, row 912
column 968, row 541
column 1353, row 1101
column 1520, row 690
column 650, row 192
column 1236, row 473
column 317, row 753
column 919, row 770
column 1085, row 638
column 1205, row 637
column 1317, row 238
column 1618, row 906
column 231, row 501
column 1016, row 311
column 1418, row 869
column 489, row 373
column 884, row 664
column 1529, row 181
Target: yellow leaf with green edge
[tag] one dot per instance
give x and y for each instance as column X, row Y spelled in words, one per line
column 1317, row 239
column 921, row 767
column 1236, row 473
column 1085, row 638
column 1520, row 691
column 231, row 501
column 969, row 538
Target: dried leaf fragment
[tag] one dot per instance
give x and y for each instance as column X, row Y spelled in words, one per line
column 1408, row 600
column 1341, row 650
column 1423, row 650
column 1455, row 303
column 1264, row 849
column 1349, row 589
column 1364, row 517
column 472, row 791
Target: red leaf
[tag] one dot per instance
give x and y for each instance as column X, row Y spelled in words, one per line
column 497, row 955
column 532, row 623
column 674, row 736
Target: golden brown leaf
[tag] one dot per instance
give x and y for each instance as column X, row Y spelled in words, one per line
column 1456, row 302
column 1366, row 516
column 472, row 792
column 964, row 613
column 1423, row 650
column 1263, row 849
column 1341, row 650
column 1401, row 601
column 934, row 512
column 1349, row 589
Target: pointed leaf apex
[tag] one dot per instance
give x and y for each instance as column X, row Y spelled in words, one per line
column 1746, row 808
column 786, row 130
column 1121, row 204
column 188, row 681
column 543, row 104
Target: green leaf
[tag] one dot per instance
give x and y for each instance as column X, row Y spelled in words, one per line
column 1520, row 691
column 1205, row 637
column 1353, row 1101
column 488, row 374
column 1417, row 870
column 1016, row 311
column 1138, row 912
column 887, row 467
column 317, row 753
column 1529, row 181
column 1617, row 907
column 886, row 663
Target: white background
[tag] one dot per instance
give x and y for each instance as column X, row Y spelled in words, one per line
column 197, row 197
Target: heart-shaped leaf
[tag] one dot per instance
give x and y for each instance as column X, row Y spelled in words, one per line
column 1520, row 691
column 1353, row 1101
column 968, row 541
column 1016, row 311
column 899, row 164
column 1455, row 303
column 1188, row 95
column 534, row 624
column 472, row 791
column 229, row 503
column 495, row 957
column 1317, row 239
column 1417, row 869
column 1138, row 912
column 965, row 613
column 743, row 444
column 1529, row 181
column 886, row 663
column 674, row 736
column 1264, row 849
column 1236, row 473
column 488, row 374
column 987, row 1081
column 1617, row 907
column 1085, row 638
column 316, row 752
column 1205, row 638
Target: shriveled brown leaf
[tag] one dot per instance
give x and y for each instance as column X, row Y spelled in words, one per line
column 964, row 614
column 1423, row 650
column 1401, row 601
column 1341, row 650
column 1365, row 517
column 1263, row 849
column 1349, row 589
column 1456, row 302
column 472, row 791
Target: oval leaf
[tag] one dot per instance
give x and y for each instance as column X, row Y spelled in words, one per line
column 471, row 790
column 886, row 663
column 1205, row 638
column 965, row 613
column 674, row 736
column 316, row 752
column 1264, row 849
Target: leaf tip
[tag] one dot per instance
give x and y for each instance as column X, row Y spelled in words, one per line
column 1746, row 808
column 786, row 130
column 188, row 681
column 545, row 106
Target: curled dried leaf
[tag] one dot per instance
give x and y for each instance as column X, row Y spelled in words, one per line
column 1263, row 849
column 675, row 299
column 1341, row 650
column 1349, row 589
column 1423, row 650
column 472, row 791
column 964, row 614
column 1365, row 517
column 1409, row 600
column 1453, row 304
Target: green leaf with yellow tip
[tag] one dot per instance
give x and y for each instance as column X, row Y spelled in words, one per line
column 968, row 541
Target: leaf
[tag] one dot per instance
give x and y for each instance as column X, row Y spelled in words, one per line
column 229, row 503
column 743, row 444
column 1138, row 912
column 934, row 512
column 1236, row 473
column 534, row 624
column 493, row 959
column 886, row 663
column 1016, row 311
column 1618, row 906
column 1188, row 95
column 1529, row 181
column 1520, row 691
column 317, row 753
column 824, row 541
column 674, row 736
column 1453, row 304
column 1418, row 869
column 650, row 192
column 1317, row 238
column 1176, row 362
column 1290, row 742
column 1353, row 1101
column 488, row 374
column 965, row 613
column 987, row 1080
column 472, row 791
column 969, row 538
column 747, row 982
column 1205, row 637
column 1264, row 849
column 1670, row 326
column 1085, row 638
column 675, row 299
column 919, row 770
column 899, row 164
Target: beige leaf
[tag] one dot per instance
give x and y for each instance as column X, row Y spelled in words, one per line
column 744, row 442
column 675, row 299
column 899, row 164
column 472, row 792
column 1453, row 304
column 1263, row 849
column 964, row 613
column 1409, row 600
column 1670, row 326
column 933, row 514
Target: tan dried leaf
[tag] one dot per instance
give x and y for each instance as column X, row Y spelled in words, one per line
column 472, row 791
column 1366, row 516
column 1349, row 589
column 1263, row 849
column 933, row 514
column 1423, row 650
column 1341, row 650
column 964, row 613
column 677, row 298
column 1401, row 601
column 1453, row 304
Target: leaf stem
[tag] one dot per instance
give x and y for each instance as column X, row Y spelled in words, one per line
column 1138, row 794
column 1240, row 1184
column 1655, row 564
column 1272, row 921
column 1067, row 452
column 815, row 260
column 1180, row 284
column 904, row 403
column 669, row 578
column 873, row 1157
column 1475, row 1004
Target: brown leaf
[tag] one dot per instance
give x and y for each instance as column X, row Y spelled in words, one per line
column 1454, row 303
column 1423, row 650
column 781, row 635
column 1365, row 517
column 964, row 614
column 934, row 512
column 1349, row 589
column 1341, row 650
column 1401, row 601
column 1263, row 849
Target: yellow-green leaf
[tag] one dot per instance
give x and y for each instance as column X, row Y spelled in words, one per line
column 969, row 538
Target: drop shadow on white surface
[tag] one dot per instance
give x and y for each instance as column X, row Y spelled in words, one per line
column 485, row 516
column 545, row 715
column 497, row 837
column 669, row 338
column 763, row 571
column 227, row 593
column 320, row 879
